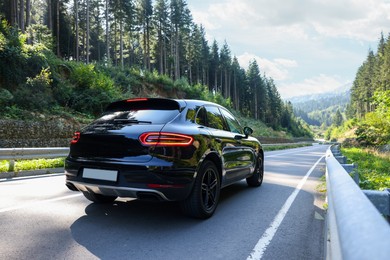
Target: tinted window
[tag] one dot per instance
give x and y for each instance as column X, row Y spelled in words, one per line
column 201, row 117
column 214, row 118
column 143, row 104
column 143, row 111
column 151, row 116
column 232, row 122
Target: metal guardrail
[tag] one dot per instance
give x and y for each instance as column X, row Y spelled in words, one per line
column 33, row 153
column 355, row 228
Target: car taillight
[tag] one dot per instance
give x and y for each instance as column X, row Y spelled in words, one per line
column 165, row 139
column 75, row 138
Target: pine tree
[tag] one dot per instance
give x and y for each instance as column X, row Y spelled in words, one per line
column 161, row 15
column 214, row 67
column 225, row 65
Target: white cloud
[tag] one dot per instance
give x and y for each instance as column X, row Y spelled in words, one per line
column 319, row 84
column 358, row 19
column 301, row 41
column 287, row 63
column 276, row 69
column 203, row 18
column 364, row 20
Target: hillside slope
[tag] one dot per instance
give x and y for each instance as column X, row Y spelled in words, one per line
column 320, row 109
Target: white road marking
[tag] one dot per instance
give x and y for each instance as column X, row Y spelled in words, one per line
column 27, row 205
column 31, row 177
column 293, row 151
column 265, row 240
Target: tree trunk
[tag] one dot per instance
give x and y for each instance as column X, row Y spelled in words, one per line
column 121, row 42
column 76, row 7
column 21, row 15
column 107, row 36
column 216, row 80
column 58, row 28
column 256, row 111
column 87, row 47
column 165, row 63
column 177, row 55
column 160, row 41
column 115, row 43
column 144, row 47
column 13, row 13
column 28, row 19
column 28, row 13
column 49, row 16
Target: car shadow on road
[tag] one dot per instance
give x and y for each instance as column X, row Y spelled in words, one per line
column 128, row 229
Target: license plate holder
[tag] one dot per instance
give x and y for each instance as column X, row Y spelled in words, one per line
column 99, row 174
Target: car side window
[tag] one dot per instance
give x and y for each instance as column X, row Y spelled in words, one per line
column 233, row 124
column 214, row 118
column 201, row 117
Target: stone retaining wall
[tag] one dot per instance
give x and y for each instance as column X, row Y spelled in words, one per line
column 54, row 132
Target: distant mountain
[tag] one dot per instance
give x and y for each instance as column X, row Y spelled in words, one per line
column 338, row 91
column 319, row 109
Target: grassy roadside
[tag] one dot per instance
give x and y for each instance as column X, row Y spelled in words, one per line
column 373, row 167
column 25, row 165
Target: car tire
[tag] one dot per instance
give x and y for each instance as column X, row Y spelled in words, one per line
column 98, row 198
column 203, row 200
column 257, row 178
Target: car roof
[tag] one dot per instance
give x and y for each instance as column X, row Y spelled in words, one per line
column 195, row 102
column 183, row 103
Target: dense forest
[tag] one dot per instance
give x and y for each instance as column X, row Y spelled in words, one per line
column 369, row 110
column 80, row 55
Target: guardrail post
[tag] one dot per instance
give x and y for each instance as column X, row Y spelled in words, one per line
column 381, row 200
column 341, row 159
column 11, row 165
column 352, row 170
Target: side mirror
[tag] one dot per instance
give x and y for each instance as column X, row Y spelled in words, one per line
column 248, row 131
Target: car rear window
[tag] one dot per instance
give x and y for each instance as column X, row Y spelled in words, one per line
column 142, row 111
column 143, row 104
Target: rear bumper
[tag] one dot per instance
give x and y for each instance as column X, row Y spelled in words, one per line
column 145, row 194
column 144, row 182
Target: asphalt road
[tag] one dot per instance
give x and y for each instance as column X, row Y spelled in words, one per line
column 283, row 219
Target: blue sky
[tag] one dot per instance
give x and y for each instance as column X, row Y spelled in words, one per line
column 306, row 46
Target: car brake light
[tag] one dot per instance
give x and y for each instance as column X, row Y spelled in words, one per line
column 165, row 139
column 75, row 138
column 136, row 99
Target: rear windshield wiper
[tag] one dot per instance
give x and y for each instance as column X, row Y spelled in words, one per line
column 131, row 121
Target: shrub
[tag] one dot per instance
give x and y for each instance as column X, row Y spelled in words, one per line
column 93, row 90
column 36, row 93
column 5, row 97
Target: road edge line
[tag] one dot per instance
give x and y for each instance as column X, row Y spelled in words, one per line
column 265, row 240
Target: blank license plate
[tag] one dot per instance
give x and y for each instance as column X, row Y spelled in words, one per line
column 98, row 174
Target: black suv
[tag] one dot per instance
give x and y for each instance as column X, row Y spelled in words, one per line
column 163, row 149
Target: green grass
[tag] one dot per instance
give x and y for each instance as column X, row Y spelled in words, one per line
column 373, row 167
column 25, row 165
